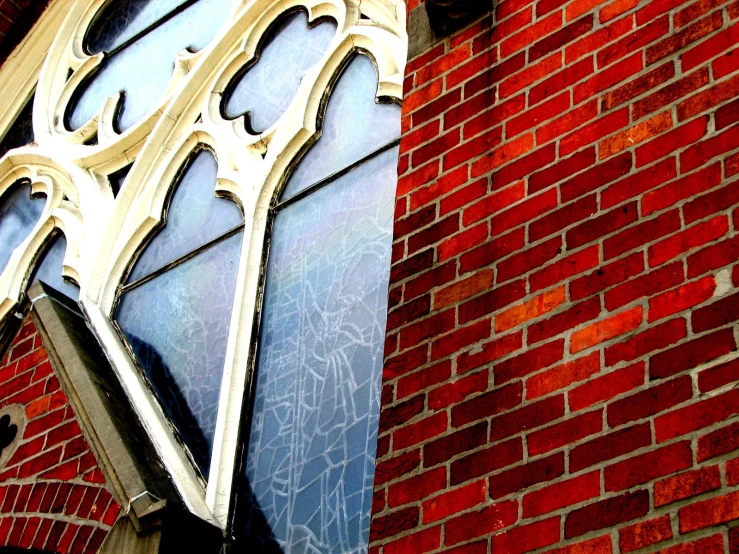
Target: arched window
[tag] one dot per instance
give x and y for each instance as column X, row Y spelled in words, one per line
column 218, row 176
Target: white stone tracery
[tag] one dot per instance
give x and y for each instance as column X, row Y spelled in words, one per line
column 104, row 233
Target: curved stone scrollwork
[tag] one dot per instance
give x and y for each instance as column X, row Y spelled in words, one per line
column 75, row 154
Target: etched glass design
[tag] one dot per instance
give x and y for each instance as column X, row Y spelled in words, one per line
column 265, row 90
column 355, row 125
column 143, row 69
column 49, row 270
column 195, row 217
column 21, row 132
column 175, row 314
column 310, row 461
column 19, row 213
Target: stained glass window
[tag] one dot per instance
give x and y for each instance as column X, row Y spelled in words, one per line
column 141, row 39
column 307, row 481
column 49, row 269
column 176, row 308
column 21, row 132
column 264, row 91
column 19, row 213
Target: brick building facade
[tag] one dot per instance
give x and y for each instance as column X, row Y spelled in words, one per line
column 560, row 363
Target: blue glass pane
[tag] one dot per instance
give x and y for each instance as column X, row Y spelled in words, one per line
column 265, row 91
column 21, row 132
column 144, row 69
column 19, row 214
column 311, row 455
column 121, row 20
column 355, row 125
column 177, row 325
column 49, row 270
column 195, row 217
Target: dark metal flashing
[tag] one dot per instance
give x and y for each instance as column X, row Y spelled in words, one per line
column 435, row 20
column 157, row 516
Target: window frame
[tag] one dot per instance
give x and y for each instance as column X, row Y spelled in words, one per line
column 106, row 233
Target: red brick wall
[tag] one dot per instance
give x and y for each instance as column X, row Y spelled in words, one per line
column 16, row 19
column 52, row 492
column 561, row 368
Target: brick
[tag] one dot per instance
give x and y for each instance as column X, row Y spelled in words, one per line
column 394, row 523
column 725, row 65
column 681, row 298
column 463, row 289
column 694, row 11
column 595, row 40
column 470, row 68
column 564, row 217
column 633, row 41
column 717, row 314
column 532, row 258
column 439, row 275
column 420, row 431
column 564, row 321
column 530, row 75
column 709, row 512
column 561, row 81
column 718, row 376
column 607, row 276
column 528, row 417
column 455, row 391
column 651, row 283
column 711, row 203
column 596, row 177
column 417, row 487
column 445, row 448
column 561, row 495
column 646, row 533
column 471, row 149
column 393, row 468
column 537, row 115
column 606, row 329
column 567, row 122
column 707, row 49
column 651, row 401
column 606, row 387
column 567, row 432
column 719, row 442
column 488, row 520
column 504, row 154
column 423, row 379
column 686, row 485
column 528, row 537
column 562, row 376
column 523, row 167
column 710, row 544
column 491, row 403
column 542, row 28
column 486, row 461
column 592, row 132
column 640, row 234
column 693, row 237
column 400, row 413
column 696, row 416
column 492, row 251
column 672, row 141
column 530, row 361
column 531, row 309
column 565, row 268
column 654, row 9
column 454, row 501
column 558, row 39
column 462, row 242
column 428, row 328
column 598, row 545
column 671, row 194
column 421, row 197
column 704, row 100
column 524, row 476
column 636, row 134
column 648, row 466
column 561, row 170
column 607, row 513
column 679, row 40
column 605, row 224
column 638, row 86
column 493, row 203
column 727, row 114
column 691, row 354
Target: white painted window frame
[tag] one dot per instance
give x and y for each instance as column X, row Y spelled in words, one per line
column 104, row 234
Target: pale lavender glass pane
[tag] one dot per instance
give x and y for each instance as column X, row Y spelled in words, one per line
column 49, row 270
column 19, row 214
column 177, row 325
column 21, row 131
column 311, row 455
column 195, row 217
column 265, row 91
column 144, row 69
column 355, row 125
column 121, row 20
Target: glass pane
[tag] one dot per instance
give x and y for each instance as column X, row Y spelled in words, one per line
column 50, row 269
column 144, row 69
column 117, row 179
column 354, row 126
column 19, row 213
column 311, row 455
column 177, row 325
column 266, row 89
column 121, row 20
column 195, row 217
column 21, row 132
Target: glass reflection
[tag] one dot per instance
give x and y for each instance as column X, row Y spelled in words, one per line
column 49, row 270
column 311, row 454
column 266, row 89
column 143, row 69
column 21, row 132
column 195, row 217
column 19, row 213
column 177, row 326
column 354, row 126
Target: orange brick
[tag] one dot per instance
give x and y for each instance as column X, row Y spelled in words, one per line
column 529, row 310
column 606, row 329
column 562, row 376
column 504, row 154
column 639, row 133
column 463, row 289
column 614, row 9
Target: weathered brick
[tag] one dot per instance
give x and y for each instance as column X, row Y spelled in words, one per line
column 607, row 513
column 646, row 533
column 685, row 485
column 648, row 466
